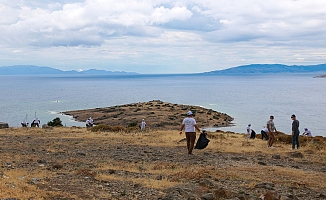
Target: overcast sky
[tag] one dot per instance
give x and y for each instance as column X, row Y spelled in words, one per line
column 161, row 36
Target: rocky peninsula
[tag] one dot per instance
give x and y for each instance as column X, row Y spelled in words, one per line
column 157, row 114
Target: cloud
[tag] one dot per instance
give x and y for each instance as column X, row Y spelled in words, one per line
column 163, row 32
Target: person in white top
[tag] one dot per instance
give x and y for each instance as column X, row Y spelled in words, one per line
column 142, row 125
column 190, row 126
column 36, row 122
column 307, row 132
column 248, row 131
column 264, row 132
column 89, row 122
column 24, row 123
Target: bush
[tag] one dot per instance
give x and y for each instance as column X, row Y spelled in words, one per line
column 55, row 122
column 104, row 127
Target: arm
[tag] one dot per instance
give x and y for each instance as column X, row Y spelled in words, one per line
column 181, row 128
column 196, row 127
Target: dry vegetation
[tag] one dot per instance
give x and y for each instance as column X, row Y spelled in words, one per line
column 75, row 163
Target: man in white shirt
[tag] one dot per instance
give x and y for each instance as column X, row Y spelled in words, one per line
column 190, row 126
column 36, row 122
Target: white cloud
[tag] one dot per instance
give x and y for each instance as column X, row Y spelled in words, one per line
column 204, row 35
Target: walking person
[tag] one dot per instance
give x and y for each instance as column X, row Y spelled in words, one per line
column 271, row 129
column 190, row 126
column 295, row 132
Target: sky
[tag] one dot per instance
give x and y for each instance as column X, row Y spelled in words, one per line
column 161, row 36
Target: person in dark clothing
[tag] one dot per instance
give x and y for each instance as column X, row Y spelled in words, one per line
column 295, row 132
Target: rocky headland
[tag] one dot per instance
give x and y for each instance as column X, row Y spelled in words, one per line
column 157, row 114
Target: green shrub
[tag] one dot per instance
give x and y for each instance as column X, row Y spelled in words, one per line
column 55, row 122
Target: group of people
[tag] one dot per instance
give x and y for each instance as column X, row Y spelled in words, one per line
column 269, row 131
column 190, row 126
column 35, row 123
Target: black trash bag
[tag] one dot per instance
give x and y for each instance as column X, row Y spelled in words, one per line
column 202, row 141
column 253, row 134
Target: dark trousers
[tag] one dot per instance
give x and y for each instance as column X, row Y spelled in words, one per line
column 295, row 140
column 191, row 137
column 264, row 135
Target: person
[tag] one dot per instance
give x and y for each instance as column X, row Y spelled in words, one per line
column 295, row 132
column 36, row 122
column 271, row 129
column 264, row 133
column 142, row 125
column 24, row 123
column 307, row 132
column 190, row 126
column 248, row 131
column 89, row 122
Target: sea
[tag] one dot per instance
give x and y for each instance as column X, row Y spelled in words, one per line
column 249, row 99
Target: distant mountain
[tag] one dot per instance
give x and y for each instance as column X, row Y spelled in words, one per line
column 36, row 70
column 271, row 68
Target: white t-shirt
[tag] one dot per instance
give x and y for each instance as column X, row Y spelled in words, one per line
column 265, row 130
column 307, row 133
column 143, row 124
column 189, row 124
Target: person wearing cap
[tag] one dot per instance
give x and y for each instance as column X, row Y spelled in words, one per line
column 190, row 126
column 271, row 129
column 295, row 132
column 142, row 125
column 307, row 132
column 248, row 131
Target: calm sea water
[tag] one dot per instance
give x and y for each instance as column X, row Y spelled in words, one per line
column 249, row 99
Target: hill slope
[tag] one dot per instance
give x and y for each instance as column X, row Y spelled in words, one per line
column 271, row 68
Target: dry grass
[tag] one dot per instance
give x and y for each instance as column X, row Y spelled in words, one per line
column 16, row 182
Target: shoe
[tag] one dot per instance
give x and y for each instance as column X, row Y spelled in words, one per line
column 271, row 147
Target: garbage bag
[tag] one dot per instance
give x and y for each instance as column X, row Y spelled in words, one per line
column 202, row 141
column 253, row 134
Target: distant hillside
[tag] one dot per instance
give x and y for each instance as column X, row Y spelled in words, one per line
column 271, row 68
column 36, row 70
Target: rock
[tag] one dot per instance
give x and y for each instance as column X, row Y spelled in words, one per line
column 57, row 166
column 262, row 163
column 45, row 126
column 3, row 125
column 296, row 154
column 268, row 186
column 206, row 183
column 223, row 193
column 208, row 196
column 270, row 195
column 41, row 161
column 322, row 196
column 276, row 156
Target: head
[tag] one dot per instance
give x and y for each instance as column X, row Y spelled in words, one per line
column 305, row 129
column 143, row 119
column 271, row 117
column 189, row 113
column 293, row 117
column 249, row 124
